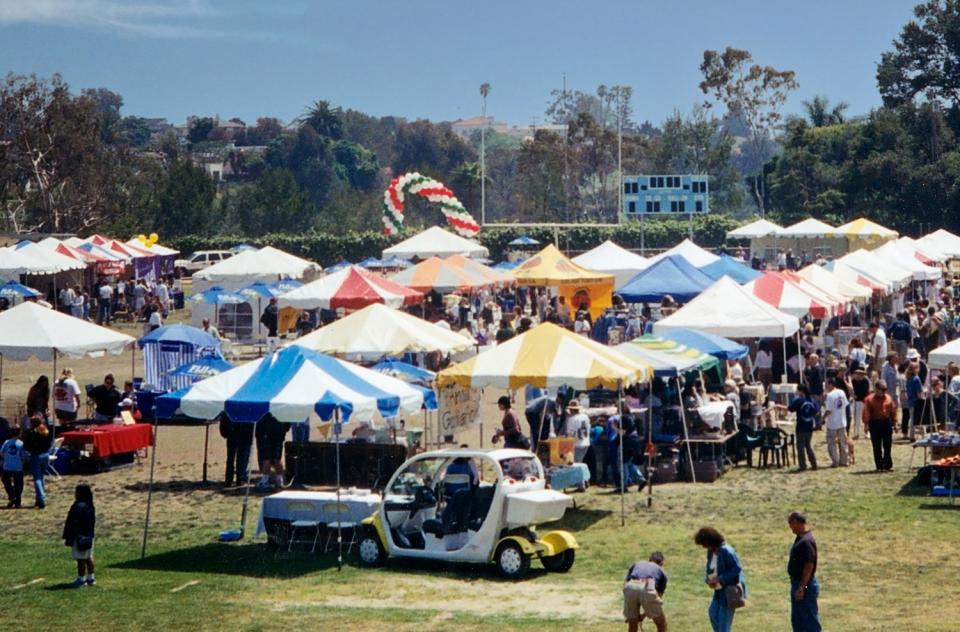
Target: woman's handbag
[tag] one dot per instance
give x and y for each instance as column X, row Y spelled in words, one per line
column 83, row 542
column 734, row 596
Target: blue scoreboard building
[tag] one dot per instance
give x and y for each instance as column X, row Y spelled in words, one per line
column 649, row 195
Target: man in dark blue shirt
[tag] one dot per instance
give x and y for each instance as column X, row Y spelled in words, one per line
column 807, row 410
column 802, row 569
column 643, row 590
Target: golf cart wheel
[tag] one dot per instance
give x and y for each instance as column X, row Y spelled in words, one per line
column 512, row 561
column 561, row 562
column 370, row 550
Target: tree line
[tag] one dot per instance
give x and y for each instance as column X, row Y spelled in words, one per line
column 75, row 162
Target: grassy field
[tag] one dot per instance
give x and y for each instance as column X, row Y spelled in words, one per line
column 889, row 554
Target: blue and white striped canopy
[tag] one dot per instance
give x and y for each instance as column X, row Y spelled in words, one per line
column 13, row 289
column 291, row 384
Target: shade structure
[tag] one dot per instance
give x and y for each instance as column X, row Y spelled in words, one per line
column 170, row 347
column 259, row 290
column 371, row 263
column 733, row 268
column 809, row 228
column 350, row 288
column 524, row 240
column 475, row 266
column 243, row 248
column 420, row 378
column 781, row 291
column 13, row 264
column 703, row 360
column 48, row 261
column 378, row 331
column 671, row 276
column 944, row 240
column 267, row 264
column 755, row 230
column 942, row 356
column 29, row 330
column 904, row 256
column 613, row 259
column 507, row 265
column 862, row 231
column 927, row 253
column 285, row 285
column 201, row 368
column 852, row 276
column 217, row 296
column 86, row 256
column 444, row 276
column 877, row 267
column 291, row 384
column 13, row 291
column 396, row 262
column 340, row 265
column 689, row 251
column 717, row 346
column 435, row 242
column 156, row 249
column 179, row 334
column 832, row 283
column 546, row 356
column 579, row 286
column 663, row 364
column 728, row 309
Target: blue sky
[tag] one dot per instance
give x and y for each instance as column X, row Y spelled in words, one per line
column 426, row 59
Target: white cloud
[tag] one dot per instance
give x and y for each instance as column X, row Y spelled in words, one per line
column 154, row 18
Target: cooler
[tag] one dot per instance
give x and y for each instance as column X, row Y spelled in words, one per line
column 535, row 507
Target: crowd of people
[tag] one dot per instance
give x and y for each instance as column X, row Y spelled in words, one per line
column 142, row 300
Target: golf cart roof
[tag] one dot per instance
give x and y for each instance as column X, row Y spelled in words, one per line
column 497, row 454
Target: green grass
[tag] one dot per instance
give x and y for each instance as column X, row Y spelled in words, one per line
column 889, row 561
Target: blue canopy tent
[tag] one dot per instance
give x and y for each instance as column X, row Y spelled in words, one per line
column 201, row 368
column 170, row 347
column 733, row 268
column 243, row 248
column 291, row 384
column 285, row 285
column 396, row 262
column 524, row 240
column 507, row 265
column 411, row 374
column 371, row 262
column 15, row 292
column 717, row 346
column 258, row 290
column 672, row 275
column 337, row 267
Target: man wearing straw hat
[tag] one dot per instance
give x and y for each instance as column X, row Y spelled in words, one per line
column 577, row 427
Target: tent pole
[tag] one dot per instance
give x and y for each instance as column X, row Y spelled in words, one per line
column 1, row 377
column 206, row 449
column 650, row 447
column 336, row 432
column 153, row 464
column 246, row 491
column 623, row 490
column 783, row 379
column 133, row 361
column 686, row 437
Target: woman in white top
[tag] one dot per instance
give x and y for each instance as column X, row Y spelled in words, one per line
column 66, row 397
column 763, row 365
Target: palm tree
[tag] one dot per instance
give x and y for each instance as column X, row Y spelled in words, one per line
column 820, row 114
column 324, row 119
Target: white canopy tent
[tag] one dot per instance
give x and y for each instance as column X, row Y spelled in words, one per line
column 943, row 240
column 833, row 284
column 613, row 259
column 877, row 267
column 435, row 242
column 13, row 264
column 809, row 228
column 755, row 230
column 267, row 265
column 689, row 251
column 727, row 309
column 942, row 356
column 903, row 256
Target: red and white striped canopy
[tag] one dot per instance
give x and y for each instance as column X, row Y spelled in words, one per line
column 779, row 291
column 350, row 288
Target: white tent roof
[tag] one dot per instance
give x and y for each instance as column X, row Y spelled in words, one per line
column 903, row 257
column 618, row 261
column 833, row 284
column 48, row 261
column 925, row 249
column 941, row 356
column 13, row 264
column 727, row 309
column 377, row 331
column 944, row 240
column 156, row 249
column 435, row 242
column 759, row 228
column 809, row 227
column 267, row 264
column 873, row 266
column 29, row 330
column 689, row 251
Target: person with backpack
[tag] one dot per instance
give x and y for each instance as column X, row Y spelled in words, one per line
column 13, row 458
column 807, row 410
column 79, row 532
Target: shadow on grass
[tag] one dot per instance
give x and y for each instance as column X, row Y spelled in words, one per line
column 581, row 519
column 250, row 560
column 457, row 570
column 184, row 486
column 944, row 506
column 63, row 586
column 912, row 488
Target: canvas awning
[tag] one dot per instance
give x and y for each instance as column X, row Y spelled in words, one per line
column 755, row 230
column 613, row 259
column 435, row 242
column 32, row 331
column 350, row 288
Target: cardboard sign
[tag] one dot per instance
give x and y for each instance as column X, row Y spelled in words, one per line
column 459, row 408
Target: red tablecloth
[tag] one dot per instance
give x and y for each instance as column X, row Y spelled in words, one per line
column 111, row 439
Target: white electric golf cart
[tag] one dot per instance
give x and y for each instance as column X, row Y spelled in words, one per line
column 468, row 505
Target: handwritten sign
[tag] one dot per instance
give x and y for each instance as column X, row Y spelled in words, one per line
column 459, row 408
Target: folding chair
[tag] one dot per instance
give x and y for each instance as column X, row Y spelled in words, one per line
column 303, row 516
column 52, row 471
column 340, row 512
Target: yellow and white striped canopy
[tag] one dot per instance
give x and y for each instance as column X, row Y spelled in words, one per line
column 547, row 356
column 862, row 227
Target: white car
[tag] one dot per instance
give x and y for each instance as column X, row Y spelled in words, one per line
column 200, row 260
column 467, row 505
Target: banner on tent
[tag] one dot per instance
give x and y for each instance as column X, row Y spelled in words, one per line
column 459, row 408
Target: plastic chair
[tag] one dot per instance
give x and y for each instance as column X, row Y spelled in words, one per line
column 341, row 514
column 52, row 471
column 772, row 441
column 303, row 517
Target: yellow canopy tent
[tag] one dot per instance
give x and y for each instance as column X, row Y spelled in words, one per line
column 578, row 285
column 862, row 233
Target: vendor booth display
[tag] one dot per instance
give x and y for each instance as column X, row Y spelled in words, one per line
column 579, row 286
column 672, row 276
column 267, row 264
column 690, row 251
column 436, row 242
column 613, row 259
column 350, row 288
column 171, row 347
column 378, row 331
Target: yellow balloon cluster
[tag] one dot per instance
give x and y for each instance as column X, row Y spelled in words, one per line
column 148, row 241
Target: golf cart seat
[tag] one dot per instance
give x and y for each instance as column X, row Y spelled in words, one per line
column 454, row 517
column 480, row 506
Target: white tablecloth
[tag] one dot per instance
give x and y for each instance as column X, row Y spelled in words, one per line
column 712, row 413
column 282, row 505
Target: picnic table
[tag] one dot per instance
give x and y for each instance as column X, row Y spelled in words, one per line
column 110, row 439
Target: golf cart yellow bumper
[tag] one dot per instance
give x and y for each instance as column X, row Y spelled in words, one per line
column 550, row 544
column 375, row 522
